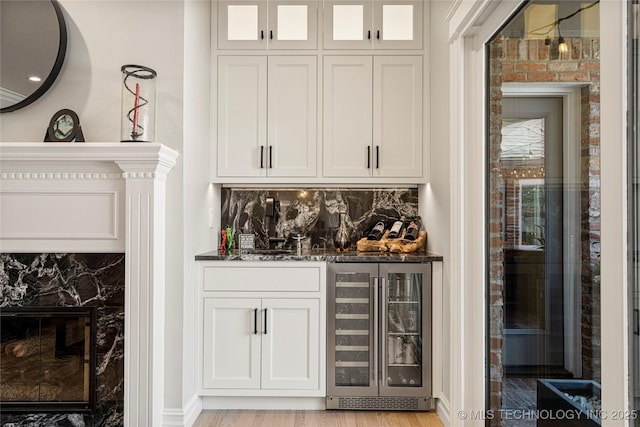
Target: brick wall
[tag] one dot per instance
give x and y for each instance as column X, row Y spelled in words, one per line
column 520, row 60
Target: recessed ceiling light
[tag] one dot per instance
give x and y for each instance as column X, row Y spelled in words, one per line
column 34, row 78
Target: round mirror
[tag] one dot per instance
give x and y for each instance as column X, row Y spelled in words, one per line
column 33, row 43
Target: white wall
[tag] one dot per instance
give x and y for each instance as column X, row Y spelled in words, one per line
column 198, row 237
column 103, row 35
column 436, row 195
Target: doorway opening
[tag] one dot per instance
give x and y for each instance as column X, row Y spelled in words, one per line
column 543, row 207
column 532, row 162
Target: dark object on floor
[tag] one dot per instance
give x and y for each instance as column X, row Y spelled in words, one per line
column 557, row 408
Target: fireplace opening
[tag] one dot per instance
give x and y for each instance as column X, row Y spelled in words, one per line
column 47, row 359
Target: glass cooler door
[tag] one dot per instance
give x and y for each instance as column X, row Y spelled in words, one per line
column 352, row 344
column 405, row 330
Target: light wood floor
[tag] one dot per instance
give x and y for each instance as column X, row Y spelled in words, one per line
column 232, row 418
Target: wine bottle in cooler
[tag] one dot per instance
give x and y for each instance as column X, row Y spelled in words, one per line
column 391, row 349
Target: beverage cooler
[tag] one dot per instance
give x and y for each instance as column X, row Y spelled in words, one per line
column 379, row 336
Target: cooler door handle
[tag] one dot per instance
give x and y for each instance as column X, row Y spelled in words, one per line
column 384, row 332
column 377, row 367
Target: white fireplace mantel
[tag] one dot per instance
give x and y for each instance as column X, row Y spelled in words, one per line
column 100, row 197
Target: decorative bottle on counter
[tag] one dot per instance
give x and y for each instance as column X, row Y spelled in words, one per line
column 377, row 231
column 341, row 239
column 396, row 229
column 413, row 229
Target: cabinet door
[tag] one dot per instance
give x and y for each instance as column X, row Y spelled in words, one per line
column 352, row 323
column 292, row 100
column 261, row 24
column 242, row 115
column 242, row 24
column 293, row 24
column 397, row 24
column 348, row 24
column 405, row 329
column 291, row 344
column 348, row 105
column 397, row 116
column 232, row 340
column 379, row 24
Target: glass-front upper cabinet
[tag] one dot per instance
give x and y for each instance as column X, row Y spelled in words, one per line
column 262, row 24
column 380, row 24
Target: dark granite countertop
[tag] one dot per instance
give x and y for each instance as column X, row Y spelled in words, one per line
column 322, row 255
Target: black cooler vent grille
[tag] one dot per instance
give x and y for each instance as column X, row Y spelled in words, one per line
column 381, row 403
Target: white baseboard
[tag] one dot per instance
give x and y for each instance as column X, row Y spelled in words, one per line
column 264, row 403
column 183, row 417
column 443, row 411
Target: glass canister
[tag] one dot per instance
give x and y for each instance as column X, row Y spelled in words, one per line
column 138, row 104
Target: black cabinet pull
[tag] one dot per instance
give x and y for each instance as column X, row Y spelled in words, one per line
column 271, row 34
column 262, row 157
column 378, row 34
column 255, row 321
column 377, row 157
column 261, row 34
column 369, row 34
column 271, row 157
column 265, row 321
column 368, row 157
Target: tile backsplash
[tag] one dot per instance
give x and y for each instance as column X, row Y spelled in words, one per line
column 314, row 212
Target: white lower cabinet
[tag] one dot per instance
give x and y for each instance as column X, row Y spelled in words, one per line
column 258, row 340
column 231, row 348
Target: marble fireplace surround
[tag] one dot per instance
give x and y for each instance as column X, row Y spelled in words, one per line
column 99, row 197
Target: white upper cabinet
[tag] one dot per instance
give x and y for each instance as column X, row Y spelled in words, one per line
column 397, row 116
column 377, row 24
column 373, row 117
column 348, row 125
column 267, row 115
column 291, row 116
column 242, row 115
column 262, row 24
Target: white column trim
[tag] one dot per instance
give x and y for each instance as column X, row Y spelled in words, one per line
column 145, row 191
column 613, row 213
